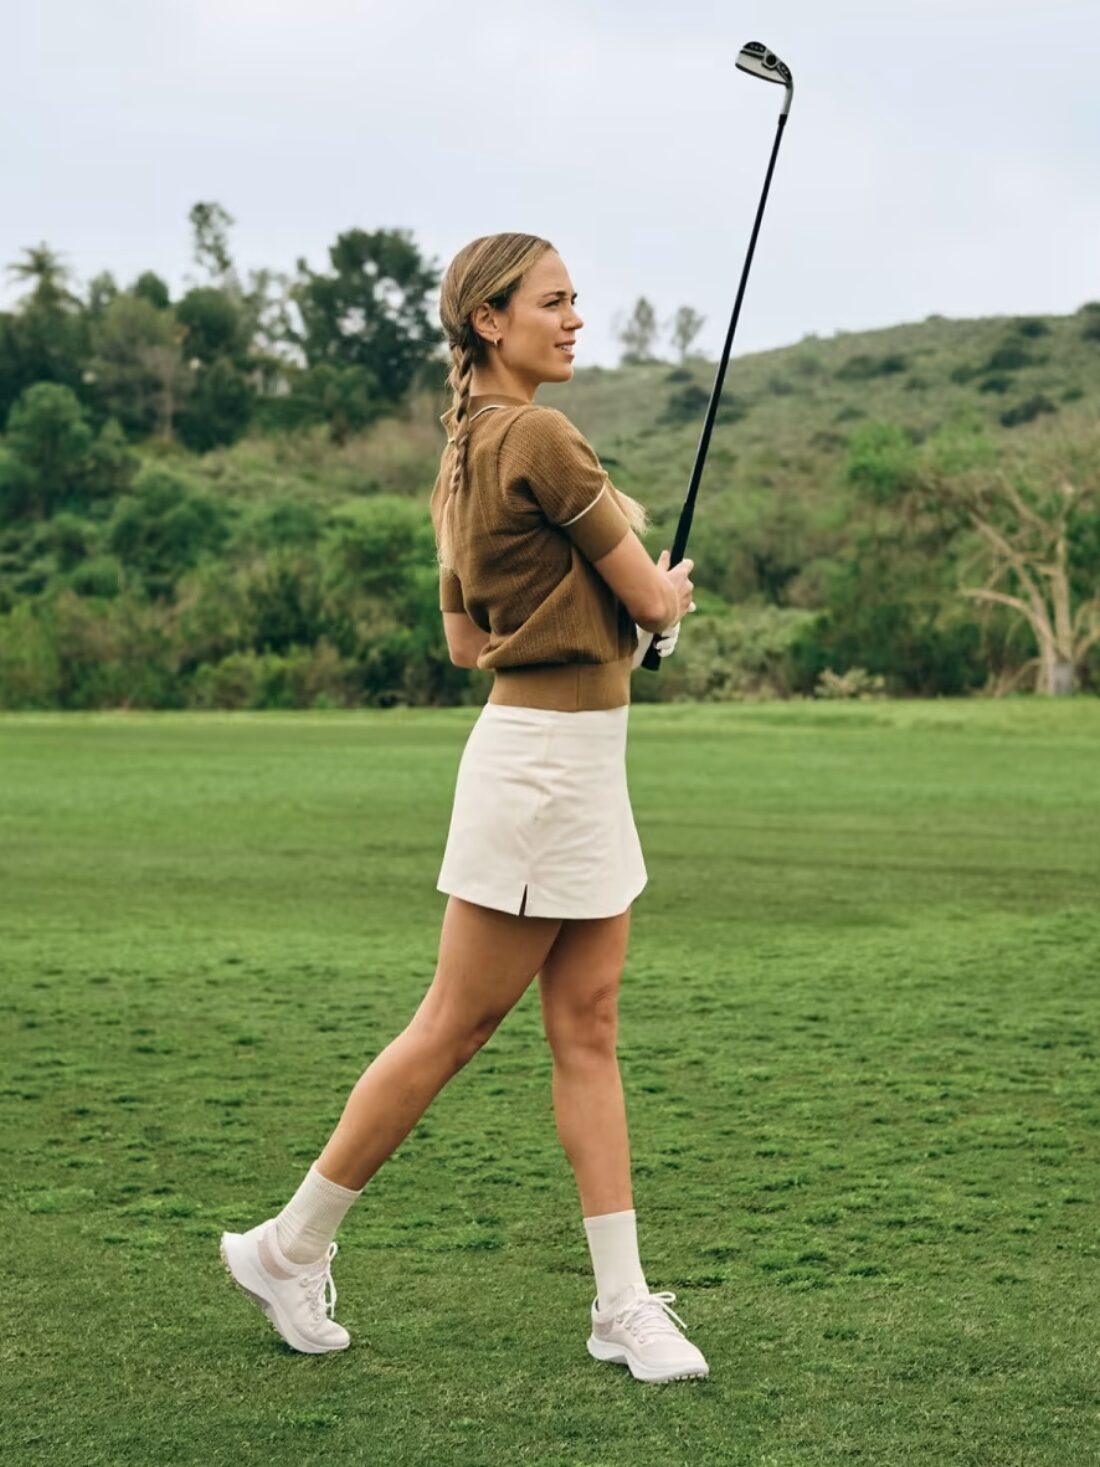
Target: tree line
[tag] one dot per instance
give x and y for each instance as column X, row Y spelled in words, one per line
column 951, row 562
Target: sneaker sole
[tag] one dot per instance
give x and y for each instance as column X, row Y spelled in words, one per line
column 239, row 1269
column 620, row 1355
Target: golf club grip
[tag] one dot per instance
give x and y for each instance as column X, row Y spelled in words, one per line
column 652, row 659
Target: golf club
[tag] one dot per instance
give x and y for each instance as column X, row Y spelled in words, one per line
column 757, row 60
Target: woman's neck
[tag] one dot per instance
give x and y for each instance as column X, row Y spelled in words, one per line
column 502, row 383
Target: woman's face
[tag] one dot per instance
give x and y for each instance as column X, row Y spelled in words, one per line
column 539, row 326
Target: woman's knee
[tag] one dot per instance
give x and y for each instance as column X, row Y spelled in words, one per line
column 585, row 1025
column 452, row 1035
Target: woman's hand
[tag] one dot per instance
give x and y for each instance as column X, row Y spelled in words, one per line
column 666, row 643
column 681, row 583
column 666, row 640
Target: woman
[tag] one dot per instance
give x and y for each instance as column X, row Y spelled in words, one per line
column 543, row 580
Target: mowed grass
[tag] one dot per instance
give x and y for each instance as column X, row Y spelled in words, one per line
column 858, row 1035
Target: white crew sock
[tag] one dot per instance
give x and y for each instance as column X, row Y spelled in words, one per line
column 308, row 1223
column 613, row 1243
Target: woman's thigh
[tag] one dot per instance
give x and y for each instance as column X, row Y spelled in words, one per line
column 486, row 962
column 579, row 981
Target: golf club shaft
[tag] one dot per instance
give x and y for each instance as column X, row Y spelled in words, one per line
column 652, row 659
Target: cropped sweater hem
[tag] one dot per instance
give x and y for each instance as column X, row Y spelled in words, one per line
column 569, row 687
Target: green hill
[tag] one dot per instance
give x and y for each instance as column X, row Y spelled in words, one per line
column 784, row 421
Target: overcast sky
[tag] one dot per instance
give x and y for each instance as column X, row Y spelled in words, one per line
column 941, row 155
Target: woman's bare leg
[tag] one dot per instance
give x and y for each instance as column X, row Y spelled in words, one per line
column 486, row 961
column 578, row 986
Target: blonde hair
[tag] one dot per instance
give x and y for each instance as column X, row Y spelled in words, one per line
column 489, row 268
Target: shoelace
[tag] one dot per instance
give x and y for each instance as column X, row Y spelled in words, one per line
column 321, row 1278
column 648, row 1316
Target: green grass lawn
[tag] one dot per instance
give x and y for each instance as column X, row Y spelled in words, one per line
column 859, row 1036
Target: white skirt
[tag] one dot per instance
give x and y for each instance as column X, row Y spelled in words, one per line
column 541, row 824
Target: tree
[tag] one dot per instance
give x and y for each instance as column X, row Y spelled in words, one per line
column 101, row 291
column 52, row 460
column 684, row 328
column 138, row 374
column 47, row 340
column 150, row 287
column 638, row 333
column 210, row 225
column 366, row 323
column 47, row 440
column 1029, row 512
column 43, row 266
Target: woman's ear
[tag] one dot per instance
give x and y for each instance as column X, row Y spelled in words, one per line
column 485, row 323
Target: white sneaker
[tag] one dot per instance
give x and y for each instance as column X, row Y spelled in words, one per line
column 298, row 1298
column 635, row 1330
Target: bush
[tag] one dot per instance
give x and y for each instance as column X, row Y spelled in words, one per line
column 303, row 677
column 100, row 575
column 742, row 654
column 1011, row 357
column 857, row 682
column 1032, row 326
column 996, row 383
column 864, row 366
column 881, row 461
column 30, row 673
column 1023, row 412
column 685, row 405
column 164, row 527
column 916, row 645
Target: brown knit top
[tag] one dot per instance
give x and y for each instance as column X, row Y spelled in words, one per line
column 536, row 510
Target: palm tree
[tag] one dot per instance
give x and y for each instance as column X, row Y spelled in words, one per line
column 51, row 277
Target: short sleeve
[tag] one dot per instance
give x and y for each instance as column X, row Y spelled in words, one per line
column 570, row 484
column 450, row 591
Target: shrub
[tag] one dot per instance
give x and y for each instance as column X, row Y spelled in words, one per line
column 685, row 404
column 864, row 366
column 164, row 527
column 997, row 383
column 881, row 462
column 857, row 682
column 1024, row 411
column 1010, row 358
column 1032, row 326
column 731, row 409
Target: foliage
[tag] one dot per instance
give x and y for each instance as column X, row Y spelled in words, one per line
column 163, row 528
column 638, row 333
column 1030, row 408
column 863, row 366
column 857, row 682
column 275, row 546
column 53, row 460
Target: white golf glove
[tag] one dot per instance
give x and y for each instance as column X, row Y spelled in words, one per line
column 666, row 642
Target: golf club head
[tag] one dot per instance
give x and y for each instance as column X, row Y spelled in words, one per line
column 757, row 60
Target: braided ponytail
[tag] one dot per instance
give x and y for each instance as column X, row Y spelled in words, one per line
column 460, row 377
